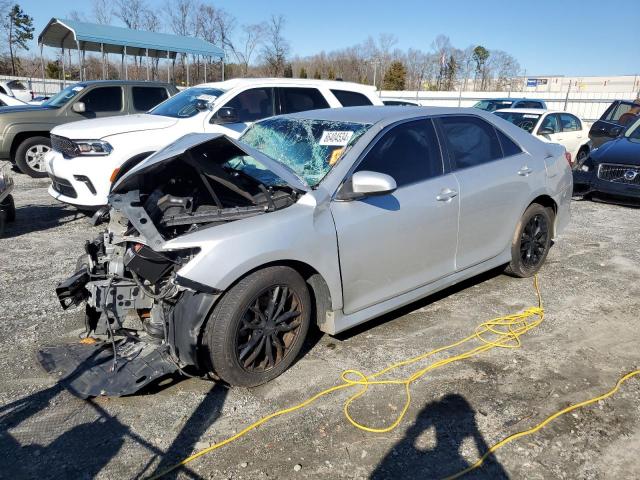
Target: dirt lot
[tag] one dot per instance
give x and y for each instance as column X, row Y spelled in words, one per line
column 589, row 338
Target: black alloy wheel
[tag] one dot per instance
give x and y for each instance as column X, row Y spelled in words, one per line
column 258, row 327
column 534, row 240
column 268, row 329
column 531, row 241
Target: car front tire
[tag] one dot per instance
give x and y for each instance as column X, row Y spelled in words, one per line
column 531, row 241
column 30, row 156
column 258, row 327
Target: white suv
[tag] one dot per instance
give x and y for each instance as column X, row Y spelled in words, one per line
column 86, row 156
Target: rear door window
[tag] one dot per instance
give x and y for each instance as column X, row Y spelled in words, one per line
column 471, row 140
column 351, row 99
column 16, row 85
column 569, row 123
column 145, row 98
column 103, row 99
column 253, row 104
column 294, row 100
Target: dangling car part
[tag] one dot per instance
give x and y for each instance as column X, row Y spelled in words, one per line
column 7, row 206
column 219, row 253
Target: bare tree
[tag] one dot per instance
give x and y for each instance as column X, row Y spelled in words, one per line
column 252, row 37
column 131, row 12
column 276, row 47
column 102, row 11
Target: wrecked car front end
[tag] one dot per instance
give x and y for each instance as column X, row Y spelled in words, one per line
column 143, row 318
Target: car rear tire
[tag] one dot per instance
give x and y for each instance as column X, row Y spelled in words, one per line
column 531, row 241
column 9, row 207
column 258, row 327
column 30, row 156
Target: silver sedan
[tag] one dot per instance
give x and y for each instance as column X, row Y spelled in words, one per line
column 227, row 251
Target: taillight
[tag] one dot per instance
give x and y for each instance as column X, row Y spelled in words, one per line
column 567, row 155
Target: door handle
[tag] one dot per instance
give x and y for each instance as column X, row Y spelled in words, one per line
column 446, row 194
column 524, row 171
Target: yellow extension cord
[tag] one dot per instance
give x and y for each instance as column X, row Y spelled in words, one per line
column 501, row 332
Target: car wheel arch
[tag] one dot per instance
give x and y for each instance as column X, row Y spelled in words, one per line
column 548, row 202
column 318, row 290
column 21, row 137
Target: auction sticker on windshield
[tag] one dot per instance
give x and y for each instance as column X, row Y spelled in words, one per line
column 335, row 138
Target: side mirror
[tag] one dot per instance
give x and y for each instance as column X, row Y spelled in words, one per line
column 79, row 107
column 226, row 115
column 546, row 131
column 365, row 184
column 615, row 131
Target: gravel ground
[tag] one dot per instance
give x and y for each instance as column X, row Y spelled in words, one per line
column 589, row 338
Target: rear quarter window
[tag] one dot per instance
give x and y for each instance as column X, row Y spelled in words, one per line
column 145, row 98
column 351, row 99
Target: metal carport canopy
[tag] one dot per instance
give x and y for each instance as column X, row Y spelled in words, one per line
column 70, row 34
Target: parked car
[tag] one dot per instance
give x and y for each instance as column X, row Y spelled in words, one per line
column 7, row 101
column 493, row 104
column 554, row 127
column 87, row 155
column 39, row 100
column 24, row 130
column 613, row 121
column 16, row 89
column 400, row 102
column 612, row 172
column 228, row 250
column 7, row 206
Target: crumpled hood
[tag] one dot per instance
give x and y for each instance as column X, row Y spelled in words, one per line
column 621, row 150
column 191, row 140
column 99, row 128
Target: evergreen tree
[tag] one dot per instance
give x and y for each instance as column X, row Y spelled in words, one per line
column 18, row 27
column 317, row 74
column 331, row 75
column 303, row 73
column 288, row 71
column 395, row 76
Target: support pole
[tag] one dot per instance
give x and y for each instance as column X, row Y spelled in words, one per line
column 79, row 60
column 222, row 62
column 44, row 83
column 104, row 76
column 84, row 63
column 187, row 58
column 168, row 70
column 64, row 76
column 206, row 59
column 126, row 70
column 147, row 54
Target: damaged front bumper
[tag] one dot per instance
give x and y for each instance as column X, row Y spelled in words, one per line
column 138, row 335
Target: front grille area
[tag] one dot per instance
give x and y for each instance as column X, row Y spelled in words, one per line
column 63, row 187
column 65, row 146
column 628, row 174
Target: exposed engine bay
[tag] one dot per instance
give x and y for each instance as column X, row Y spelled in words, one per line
column 145, row 317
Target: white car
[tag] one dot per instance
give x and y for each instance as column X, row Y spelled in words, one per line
column 86, row 156
column 7, row 101
column 552, row 127
column 16, row 89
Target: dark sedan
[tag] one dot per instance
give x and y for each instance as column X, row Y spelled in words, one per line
column 612, row 172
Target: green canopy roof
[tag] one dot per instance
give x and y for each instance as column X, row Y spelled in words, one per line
column 70, row 34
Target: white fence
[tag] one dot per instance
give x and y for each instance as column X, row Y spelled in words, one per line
column 48, row 87
column 587, row 105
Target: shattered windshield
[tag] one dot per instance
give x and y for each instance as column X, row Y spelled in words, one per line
column 187, row 103
column 308, row 147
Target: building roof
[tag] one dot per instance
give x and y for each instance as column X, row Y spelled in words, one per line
column 92, row 37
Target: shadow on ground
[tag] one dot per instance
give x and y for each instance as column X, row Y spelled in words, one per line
column 36, row 218
column 450, row 421
column 83, row 450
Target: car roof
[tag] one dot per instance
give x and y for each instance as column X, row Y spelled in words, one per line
column 379, row 114
column 334, row 84
column 119, row 82
column 537, row 111
column 511, row 99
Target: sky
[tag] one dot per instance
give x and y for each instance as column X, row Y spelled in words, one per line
column 560, row 37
